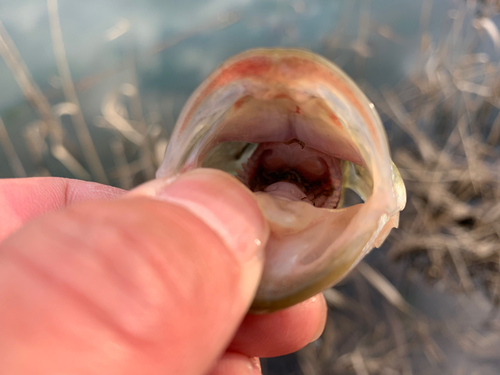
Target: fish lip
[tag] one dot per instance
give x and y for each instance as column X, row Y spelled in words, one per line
column 184, row 151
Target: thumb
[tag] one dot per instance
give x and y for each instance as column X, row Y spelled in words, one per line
column 156, row 282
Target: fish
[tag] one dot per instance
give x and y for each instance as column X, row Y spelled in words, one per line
column 299, row 133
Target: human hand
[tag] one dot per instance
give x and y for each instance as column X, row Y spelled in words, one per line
column 94, row 280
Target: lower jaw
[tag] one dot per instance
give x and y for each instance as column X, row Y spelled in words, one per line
column 306, row 240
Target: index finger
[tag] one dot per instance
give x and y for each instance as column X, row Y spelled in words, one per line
column 23, row 199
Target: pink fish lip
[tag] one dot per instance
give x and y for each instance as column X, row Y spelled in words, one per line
column 315, row 177
column 314, row 134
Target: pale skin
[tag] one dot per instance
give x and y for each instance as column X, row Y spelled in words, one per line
column 95, row 280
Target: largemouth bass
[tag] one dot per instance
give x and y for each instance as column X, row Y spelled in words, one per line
column 300, row 134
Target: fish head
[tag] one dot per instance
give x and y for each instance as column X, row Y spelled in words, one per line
column 298, row 132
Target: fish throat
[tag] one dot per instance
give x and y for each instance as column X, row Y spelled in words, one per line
column 292, row 170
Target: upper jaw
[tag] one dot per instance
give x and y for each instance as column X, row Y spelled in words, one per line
column 284, row 118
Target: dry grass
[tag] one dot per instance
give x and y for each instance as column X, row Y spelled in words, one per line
column 10, row 152
column 445, row 129
column 451, row 112
column 86, row 142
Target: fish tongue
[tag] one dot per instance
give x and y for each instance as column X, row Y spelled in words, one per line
column 286, row 190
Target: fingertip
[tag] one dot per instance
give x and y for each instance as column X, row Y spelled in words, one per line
column 323, row 309
column 237, row 364
column 221, row 202
column 281, row 332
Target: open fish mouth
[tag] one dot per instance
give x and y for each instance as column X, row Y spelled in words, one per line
column 303, row 137
column 294, row 171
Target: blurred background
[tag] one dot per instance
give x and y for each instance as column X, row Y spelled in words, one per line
column 91, row 90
